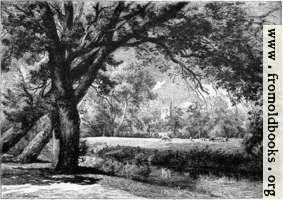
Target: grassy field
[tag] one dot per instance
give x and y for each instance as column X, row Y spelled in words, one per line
column 156, row 143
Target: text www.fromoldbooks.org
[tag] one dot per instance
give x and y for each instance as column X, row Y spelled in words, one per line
column 271, row 114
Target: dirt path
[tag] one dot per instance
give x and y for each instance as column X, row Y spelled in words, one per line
column 33, row 181
column 64, row 190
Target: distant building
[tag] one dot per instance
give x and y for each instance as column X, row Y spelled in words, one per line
column 171, row 94
column 164, row 112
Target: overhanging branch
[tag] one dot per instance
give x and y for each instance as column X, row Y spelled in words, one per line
column 91, row 73
column 265, row 14
column 161, row 43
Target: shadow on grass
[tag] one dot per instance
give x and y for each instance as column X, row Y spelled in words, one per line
column 19, row 176
column 46, row 176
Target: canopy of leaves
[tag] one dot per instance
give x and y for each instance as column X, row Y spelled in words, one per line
column 216, row 41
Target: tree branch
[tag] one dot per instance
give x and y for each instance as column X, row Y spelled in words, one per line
column 69, row 14
column 107, row 35
column 265, row 14
column 49, row 24
column 91, row 74
column 160, row 43
column 98, row 41
column 166, row 15
column 102, row 96
column 81, row 68
column 26, row 12
column 57, row 9
column 80, row 10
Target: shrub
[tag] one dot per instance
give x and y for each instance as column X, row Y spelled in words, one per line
column 195, row 161
column 83, row 148
column 253, row 141
column 132, row 170
column 112, row 166
column 136, row 171
column 139, row 134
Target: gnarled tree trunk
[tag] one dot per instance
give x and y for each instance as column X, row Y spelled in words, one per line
column 33, row 149
column 69, row 134
column 55, row 149
column 13, row 135
column 9, row 138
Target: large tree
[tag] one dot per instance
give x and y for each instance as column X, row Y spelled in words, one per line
column 78, row 40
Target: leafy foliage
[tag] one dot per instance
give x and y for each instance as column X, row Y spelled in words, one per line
column 117, row 109
column 21, row 102
column 253, row 141
column 226, row 49
column 200, row 121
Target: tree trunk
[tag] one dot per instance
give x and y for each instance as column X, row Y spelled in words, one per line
column 133, row 129
column 31, row 152
column 33, row 149
column 175, row 128
column 69, row 134
column 13, row 135
column 149, row 129
column 55, row 149
column 5, row 125
column 7, row 138
column 116, row 131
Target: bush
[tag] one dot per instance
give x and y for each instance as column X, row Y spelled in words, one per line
column 196, row 161
column 83, row 148
column 139, row 134
column 253, row 141
column 135, row 171
column 112, row 166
